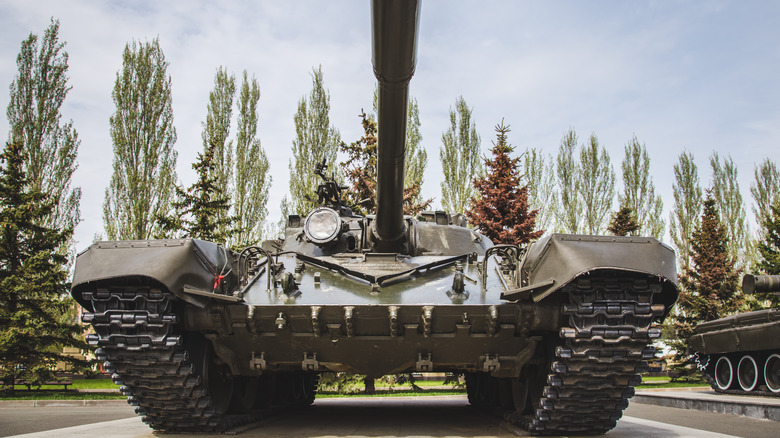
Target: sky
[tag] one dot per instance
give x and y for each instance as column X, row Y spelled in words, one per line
column 697, row 76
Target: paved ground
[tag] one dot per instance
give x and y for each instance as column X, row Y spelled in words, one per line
column 408, row 416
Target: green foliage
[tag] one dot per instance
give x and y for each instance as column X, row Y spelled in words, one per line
column 143, row 182
column 766, row 191
column 501, row 212
column 416, row 161
column 728, row 199
column 769, row 250
column 710, row 286
column 33, row 282
column 252, row 179
column 568, row 213
column 314, row 141
column 38, row 92
column 624, row 222
column 539, row 171
column 596, row 186
column 460, row 159
column 687, row 207
column 639, row 191
column 201, row 211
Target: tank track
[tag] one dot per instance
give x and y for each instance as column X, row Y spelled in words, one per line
column 136, row 332
column 707, row 370
column 604, row 347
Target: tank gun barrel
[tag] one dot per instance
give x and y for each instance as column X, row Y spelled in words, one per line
column 760, row 283
column 394, row 44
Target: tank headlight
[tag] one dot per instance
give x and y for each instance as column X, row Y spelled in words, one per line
column 323, row 225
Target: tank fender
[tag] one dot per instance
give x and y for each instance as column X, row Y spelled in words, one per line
column 175, row 263
column 557, row 259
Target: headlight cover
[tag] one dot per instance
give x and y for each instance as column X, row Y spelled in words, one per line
column 323, row 225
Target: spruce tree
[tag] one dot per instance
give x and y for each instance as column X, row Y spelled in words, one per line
column 624, row 222
column 34, row 287
column 38, row 92
column 201, row 211
column 710, row 286
column 143, row 183
column 501, row 211
column 315, row 140
column 460, row 159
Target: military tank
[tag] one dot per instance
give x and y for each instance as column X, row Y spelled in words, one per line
column 740, row 354
column 552, row 334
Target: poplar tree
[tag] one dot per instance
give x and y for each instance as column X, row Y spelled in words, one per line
column 315, row 140
column 766, row 192
column 416, row 159
column 596, row 187
column 143, row 182
column 728, row 198
column 639, row 191
column 460, row 159
column 501, row 212
column 33, row 281
column 216, row 131
column 252, row 179
column 687, row 206
column 769, row 250
column 37, row 94
column 568, row 212
column 539, row 171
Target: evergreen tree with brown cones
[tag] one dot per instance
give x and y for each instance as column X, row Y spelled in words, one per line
column 502, row 210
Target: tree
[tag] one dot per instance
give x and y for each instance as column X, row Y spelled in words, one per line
column 315, row 140
column 728, row 198
column 639, row 191
column 143, row 182
column 416, row 159
column 216, row 131
column 201, row 211
column 33, row 280
column 460, row 159
column 252, row 180
column 361, row 169
column 501, row 212
column 687, row 207
column 34, row 117
column 765, row 190
column 623, row 222
column 710, row 285
column 597, row 186
column 769, row 250
column 539, row 170
column 568, row 211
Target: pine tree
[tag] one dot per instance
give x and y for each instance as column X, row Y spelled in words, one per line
column 568, row 213
column 728, row 198
column 460, row 159
column 596, row 187
column 201, row 211
column 143, row 183
column 251, row 176
column 539, row 170
column 315, row 140
column 216, row 131
column 624, row 222
column 33, row 281
column 639, row 191
column 37, row 94
column 361, row 169
column 501, row 212
column 710, row 286
column 687, row 207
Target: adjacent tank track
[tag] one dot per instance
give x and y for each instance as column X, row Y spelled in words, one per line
column 137, row 335
column 591, row 369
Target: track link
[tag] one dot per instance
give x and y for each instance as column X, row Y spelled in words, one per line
column 137, row 336
column 604, row 347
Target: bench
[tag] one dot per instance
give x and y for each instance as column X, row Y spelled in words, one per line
column 65, row 383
